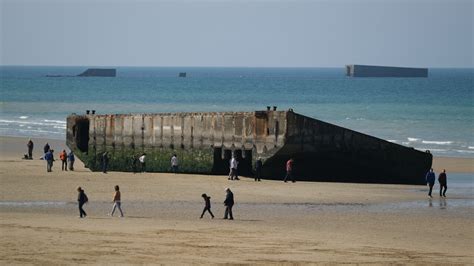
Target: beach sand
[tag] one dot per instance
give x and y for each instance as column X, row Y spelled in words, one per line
column 304, row 222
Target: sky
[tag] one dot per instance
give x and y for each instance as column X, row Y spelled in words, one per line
column 298, row 33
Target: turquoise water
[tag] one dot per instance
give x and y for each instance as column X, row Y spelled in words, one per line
column 434, row 113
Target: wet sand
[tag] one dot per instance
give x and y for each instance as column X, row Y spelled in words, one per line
column 274, row 222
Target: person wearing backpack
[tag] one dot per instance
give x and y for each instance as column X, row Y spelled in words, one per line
column 82, row 199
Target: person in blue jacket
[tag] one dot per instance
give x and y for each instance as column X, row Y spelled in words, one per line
column 49, row 158
column 430, row 180
column 71, row 159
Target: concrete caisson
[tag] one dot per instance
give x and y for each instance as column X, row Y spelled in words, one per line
column 204, row 143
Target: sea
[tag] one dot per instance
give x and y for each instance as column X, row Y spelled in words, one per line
column 434, row 113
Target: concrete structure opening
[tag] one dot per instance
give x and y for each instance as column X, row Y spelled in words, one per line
column 244, row 157
column 222, row 159
column 81, row 134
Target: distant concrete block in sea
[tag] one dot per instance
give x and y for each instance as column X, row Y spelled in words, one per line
column 204, row 143
column 91, row 72
column 385, row 71
column 99, row 72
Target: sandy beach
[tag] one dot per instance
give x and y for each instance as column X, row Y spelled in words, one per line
column 304, row 222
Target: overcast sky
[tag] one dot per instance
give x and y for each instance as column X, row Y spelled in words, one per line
column 332, row 33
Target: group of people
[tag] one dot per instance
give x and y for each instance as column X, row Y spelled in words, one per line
column 138, row 162
column 228, row 203
column 67, row 159
column 233, row 170
column 442, row 179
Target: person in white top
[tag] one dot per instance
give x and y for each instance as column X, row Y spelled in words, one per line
column 174, row 163
column 142, row 162
column 233, row 169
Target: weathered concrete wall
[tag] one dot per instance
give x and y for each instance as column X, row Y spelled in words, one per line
column 204, row 143
column 327, row 152
column 383, row 71
column 192, row 136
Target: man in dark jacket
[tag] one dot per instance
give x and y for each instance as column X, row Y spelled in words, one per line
column 228, row 203
column 81, row 199
column 46, row 148
column 105, row 162
column 258, row 169
column 30, row 146
column 430, row 180
column 443, row 183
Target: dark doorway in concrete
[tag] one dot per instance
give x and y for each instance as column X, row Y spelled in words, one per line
column 244, row 157
column 81, row 134
column 220, row 165
column 222, row 160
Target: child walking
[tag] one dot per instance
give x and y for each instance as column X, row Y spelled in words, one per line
column 116, row 201
column 81, row 199
column 207, row 207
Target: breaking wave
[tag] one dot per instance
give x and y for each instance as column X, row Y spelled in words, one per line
column 437, row 142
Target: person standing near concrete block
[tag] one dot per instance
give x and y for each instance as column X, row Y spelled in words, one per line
column 174, row 163
column 105, row 162
column 430, row 181
column 289, row 171
column 142, row 162
column 71, row 158
column 134, row 161
column 443, row 183
column 258, row 169
column 233, row 165
column 228, row 203
column 63, row 158
column 30, row 146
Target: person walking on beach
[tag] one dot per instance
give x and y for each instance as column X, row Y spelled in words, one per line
column 46, row 148
column 30, row 146
column 71, row 158
column 289, row 171
column 443, row 183
column 116, row 202
column 258, row 169
column 174, row 163
column 49, row 158
column 430, row 181
column 142, row 162
column 228, row 203
column 233, row 165
column 105, row 162
column 81, row 199
column 207, row 206
column 63, row 158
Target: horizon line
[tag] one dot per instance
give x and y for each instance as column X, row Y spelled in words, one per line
column 150, row 66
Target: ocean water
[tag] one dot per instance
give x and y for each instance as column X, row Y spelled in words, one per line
column 434, row 113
